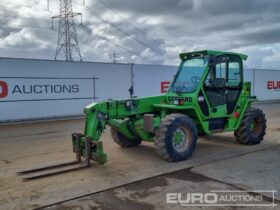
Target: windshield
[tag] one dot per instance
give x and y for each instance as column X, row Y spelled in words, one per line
column 189, row 75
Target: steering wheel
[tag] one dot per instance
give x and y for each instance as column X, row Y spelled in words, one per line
column 195, row 79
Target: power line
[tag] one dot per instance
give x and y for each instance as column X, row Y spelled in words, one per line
column 100, row 37
column 96, row 14
column 97, row 36
column 124, row 48
column 126, row 20
column 133, row 52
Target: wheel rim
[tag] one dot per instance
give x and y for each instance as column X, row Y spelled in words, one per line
column 256, row 126
column 181, row 139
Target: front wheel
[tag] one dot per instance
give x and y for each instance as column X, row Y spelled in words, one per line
column 176, row 137
column 122, row 140
column 252, row 127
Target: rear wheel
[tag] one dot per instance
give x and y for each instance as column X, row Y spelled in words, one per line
column 252, row 127
column 122, row 140
column 175, row 138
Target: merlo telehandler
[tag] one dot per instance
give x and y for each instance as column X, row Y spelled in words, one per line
column 207, row 95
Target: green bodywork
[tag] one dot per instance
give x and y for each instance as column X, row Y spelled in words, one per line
column 127, row 116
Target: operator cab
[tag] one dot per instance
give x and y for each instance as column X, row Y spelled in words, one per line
column 213, row 79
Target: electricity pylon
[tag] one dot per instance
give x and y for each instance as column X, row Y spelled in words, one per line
column 67, row 41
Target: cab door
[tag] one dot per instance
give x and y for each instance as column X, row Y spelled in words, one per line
column 234, row 82
column 222, row 88
column 215, row 88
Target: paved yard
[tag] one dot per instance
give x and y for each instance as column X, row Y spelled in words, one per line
column 133, row 178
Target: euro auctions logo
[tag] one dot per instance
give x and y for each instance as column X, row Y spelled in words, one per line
column 273, row 85
column 14, row 89
column 219, row 198
column 3, row 89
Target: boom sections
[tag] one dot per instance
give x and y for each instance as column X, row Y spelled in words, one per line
column 100, row 114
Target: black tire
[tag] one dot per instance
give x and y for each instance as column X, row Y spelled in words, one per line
column 122, row 140
column 166, row 146
column 252, row 128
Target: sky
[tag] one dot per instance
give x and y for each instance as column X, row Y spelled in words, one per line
column 146, row 31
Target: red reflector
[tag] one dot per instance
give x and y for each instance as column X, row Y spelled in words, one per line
column 181, row 102
column 236, row 114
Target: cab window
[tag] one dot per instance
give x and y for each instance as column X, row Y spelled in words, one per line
column 234, row 74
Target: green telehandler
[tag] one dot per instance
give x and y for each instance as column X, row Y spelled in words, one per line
column 207, row 95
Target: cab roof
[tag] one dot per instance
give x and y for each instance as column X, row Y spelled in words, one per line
column 187, row 55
